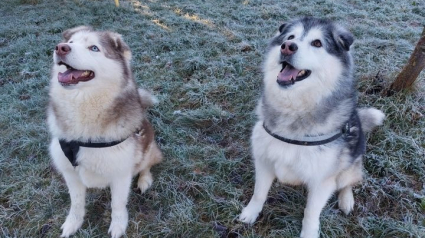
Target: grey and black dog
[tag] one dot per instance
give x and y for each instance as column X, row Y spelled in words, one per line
column 309, row 129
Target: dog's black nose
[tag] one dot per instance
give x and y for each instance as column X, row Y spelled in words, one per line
column 288, row 48
column 62, row 49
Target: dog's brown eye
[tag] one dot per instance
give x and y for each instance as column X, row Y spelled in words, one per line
column 316, row 43
column 291, row 37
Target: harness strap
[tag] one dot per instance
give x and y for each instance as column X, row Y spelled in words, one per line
column 71, row 148
column 310, row 140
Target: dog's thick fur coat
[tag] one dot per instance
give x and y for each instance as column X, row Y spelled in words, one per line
column 309, row 92
column 94, row 98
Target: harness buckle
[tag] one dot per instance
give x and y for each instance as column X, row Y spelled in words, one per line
column 346, row 129
column 140, row 133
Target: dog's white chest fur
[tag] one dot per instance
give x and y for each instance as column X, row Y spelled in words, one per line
column 97, row 167
column 293, row 164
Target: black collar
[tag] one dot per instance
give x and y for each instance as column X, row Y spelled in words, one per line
column 344, row 131
column 71, row 148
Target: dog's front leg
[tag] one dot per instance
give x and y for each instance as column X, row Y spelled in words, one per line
column 77, row 192
column 120, row 189
column 264, row 176
column 318, row 195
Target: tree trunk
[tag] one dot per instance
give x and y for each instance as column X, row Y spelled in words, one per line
column 412, row 69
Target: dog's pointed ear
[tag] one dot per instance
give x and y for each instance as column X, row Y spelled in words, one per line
column 119, row 45
column 344, row 38
column 281, row 27
column 66, row 35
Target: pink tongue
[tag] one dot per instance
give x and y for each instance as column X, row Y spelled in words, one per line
column 288, row 73
column 71, row 76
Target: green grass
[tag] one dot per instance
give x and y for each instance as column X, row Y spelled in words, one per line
column 202, row 60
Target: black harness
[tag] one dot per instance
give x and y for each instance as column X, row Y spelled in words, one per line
column 71, row 148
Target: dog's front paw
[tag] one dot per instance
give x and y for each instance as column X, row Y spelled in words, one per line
column 145, row 181
column 249, row 214
column 118, row 226
column 312, row 233
column 346, row 201
column 310, row 228
column 71, row 225
column 116, row 230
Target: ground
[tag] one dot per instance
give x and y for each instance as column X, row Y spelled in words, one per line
column 202, row 59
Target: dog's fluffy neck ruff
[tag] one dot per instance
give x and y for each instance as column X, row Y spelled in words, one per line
column 304, row 123
column 92, row 115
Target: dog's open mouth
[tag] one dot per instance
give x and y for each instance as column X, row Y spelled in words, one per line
column 289, row 74
column 74, row 76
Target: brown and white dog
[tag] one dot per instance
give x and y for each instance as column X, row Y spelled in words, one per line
column 97, row 118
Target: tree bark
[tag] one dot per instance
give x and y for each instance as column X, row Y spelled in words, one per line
column 412, row 69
